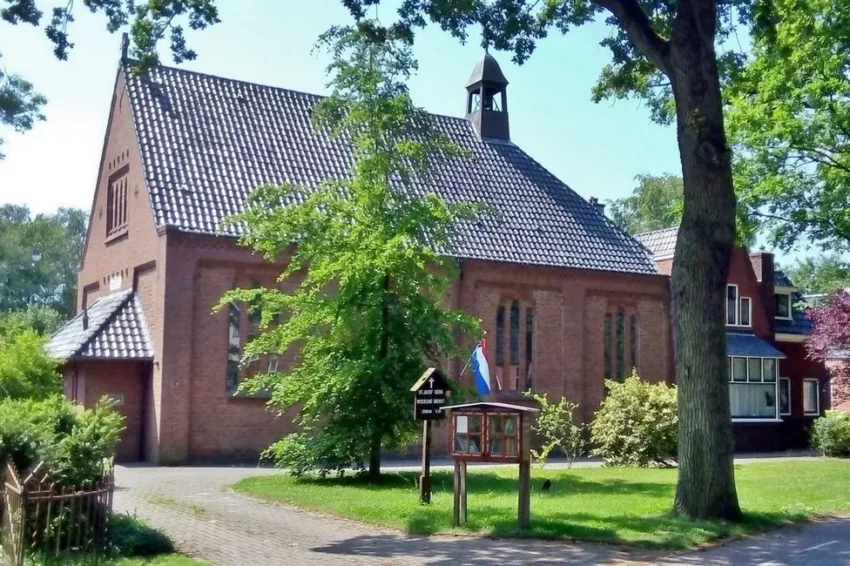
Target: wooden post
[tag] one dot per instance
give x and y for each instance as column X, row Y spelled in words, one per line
column 462, row 493
column 523, row 509
column 425, row 478
column 456, row 496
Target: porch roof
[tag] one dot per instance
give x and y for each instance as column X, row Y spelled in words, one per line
column 749, row 346
column 111, row 328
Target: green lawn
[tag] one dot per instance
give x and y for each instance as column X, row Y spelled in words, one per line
column 614, row 505
column 161, row 560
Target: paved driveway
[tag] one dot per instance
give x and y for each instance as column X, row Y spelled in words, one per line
column 193, row 505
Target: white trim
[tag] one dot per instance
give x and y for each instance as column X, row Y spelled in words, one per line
column 741, row 311
column 737, row 303
column 745, row 420
column 782, row 337
column 779, row 397
column 784, row 290
column 662, row 257
column 817, row 397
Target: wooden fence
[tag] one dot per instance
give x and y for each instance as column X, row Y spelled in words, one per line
column 42, row 520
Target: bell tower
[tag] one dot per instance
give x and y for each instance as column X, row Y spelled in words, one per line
column 487, row 101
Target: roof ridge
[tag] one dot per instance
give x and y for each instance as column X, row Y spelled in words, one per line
column 126, row 66
column 656, row 231
column 129, row 292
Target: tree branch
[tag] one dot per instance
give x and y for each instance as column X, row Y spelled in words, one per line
column 637, row 26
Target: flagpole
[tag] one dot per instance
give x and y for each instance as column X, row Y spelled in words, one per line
column 466, row 365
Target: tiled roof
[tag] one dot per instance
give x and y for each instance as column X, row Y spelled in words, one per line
column 207, row 141
column 116, row 330
column 749, row 346
column 660, row 243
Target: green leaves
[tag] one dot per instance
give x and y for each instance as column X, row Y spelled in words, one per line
column 655, row 203
column 789, row 121
column 367, row 314
column 558, row 428
column 25, row 369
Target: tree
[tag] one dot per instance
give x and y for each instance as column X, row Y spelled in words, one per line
column 26, row 371
column 368, row 313
column 790, row 124
column 557, row 427
column 830, row 341
column 654, row 204
column 822, row 274
column 39, row 257
column 21, row 106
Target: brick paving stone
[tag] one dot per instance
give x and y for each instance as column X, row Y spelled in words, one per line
column 207, row 520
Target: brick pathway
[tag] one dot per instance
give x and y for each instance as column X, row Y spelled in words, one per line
column 193, row 505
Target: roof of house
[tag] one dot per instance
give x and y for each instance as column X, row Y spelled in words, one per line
column 207, row 141
column 748, row 345
column 115, row 329
column 660, row 243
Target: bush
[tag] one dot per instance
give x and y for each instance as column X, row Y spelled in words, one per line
column 831, row 434
column 637, row 424
column 26, row 371
column 74, row 444
column 130, row 536
column 557, row 428
column 300, row 453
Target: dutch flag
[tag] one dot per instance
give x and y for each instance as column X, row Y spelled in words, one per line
column 480, row 368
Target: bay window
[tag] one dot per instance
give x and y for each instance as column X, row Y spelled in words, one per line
column 753, row 388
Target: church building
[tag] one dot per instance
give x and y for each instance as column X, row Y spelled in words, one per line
column 567, row 299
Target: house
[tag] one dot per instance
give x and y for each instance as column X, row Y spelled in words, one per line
column 775, row 390
column 566, row 298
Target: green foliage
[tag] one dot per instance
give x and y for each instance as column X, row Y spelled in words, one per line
column 39, row 257
column 822, row 274
column 831, row 434
column 74, row 444
column 368, row 311
column 131, row 536
column 637, row 424
column 789, row 121
column 26, row 371
column 654, row 204
column 557, row 427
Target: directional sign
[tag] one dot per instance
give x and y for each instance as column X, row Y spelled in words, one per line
column 431, row 393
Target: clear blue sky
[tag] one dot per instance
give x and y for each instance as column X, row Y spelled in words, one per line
column 597, row 149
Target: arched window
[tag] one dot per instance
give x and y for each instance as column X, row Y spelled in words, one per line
column 621, row 344
column 529, row 335
column 515, row 333
column 500, row 336
column 234, row 346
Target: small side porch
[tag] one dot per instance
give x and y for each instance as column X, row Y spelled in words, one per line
column 107, row 352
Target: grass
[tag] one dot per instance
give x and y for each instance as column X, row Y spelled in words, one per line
column 159, row 560
column 612, row 505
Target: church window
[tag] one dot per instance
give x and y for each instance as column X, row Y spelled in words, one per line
column 116, row 204
column 234, row 347
column 515, row 333
column 500, row 336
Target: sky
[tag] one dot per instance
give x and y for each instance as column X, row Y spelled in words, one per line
column 597, row 149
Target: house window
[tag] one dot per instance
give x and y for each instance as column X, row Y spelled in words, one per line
column 234, row 349
column 515, row 333
column 811, row 400
column 753, row 388
column 500, row 336
column 732, row 305
column 746, row 311
column 783, row 305
column 116, row 204
column 784, row 396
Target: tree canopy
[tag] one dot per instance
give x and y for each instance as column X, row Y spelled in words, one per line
column 655, row 203
column 368, row 314
column 789, row 120
column 821, row 274
column 39, row 257
column 26, row 371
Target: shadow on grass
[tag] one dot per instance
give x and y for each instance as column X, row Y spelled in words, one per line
column 489, row 482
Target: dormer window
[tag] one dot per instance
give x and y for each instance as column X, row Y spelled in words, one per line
column 739, row 310
column 783, row 305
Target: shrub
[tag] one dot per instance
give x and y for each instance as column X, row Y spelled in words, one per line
column 130, row 536
column 26, row 371
column 831, row 434
column 556, row 426
column 74, row 444
column 637, row 424
column 300, row 453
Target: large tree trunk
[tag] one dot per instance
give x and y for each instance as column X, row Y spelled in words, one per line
column 706, row 487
